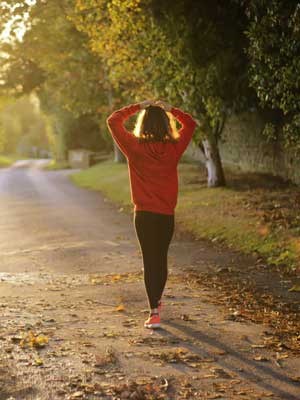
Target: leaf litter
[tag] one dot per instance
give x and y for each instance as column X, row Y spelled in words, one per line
column 180, row 355
column 31, row 339
column 246, row 302
column 127, row 277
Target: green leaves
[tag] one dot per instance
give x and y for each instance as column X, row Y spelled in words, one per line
column 181, row 53
column 274, row 51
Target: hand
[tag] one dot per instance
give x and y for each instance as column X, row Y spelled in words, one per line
column 146, row 103
column 166, row 106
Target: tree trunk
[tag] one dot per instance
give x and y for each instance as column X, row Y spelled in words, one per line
column 215, row 173
column 118, row 155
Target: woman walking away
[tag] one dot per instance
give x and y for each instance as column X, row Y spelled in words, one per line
column 153, row 152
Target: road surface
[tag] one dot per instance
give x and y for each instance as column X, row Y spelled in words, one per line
column 73, row 303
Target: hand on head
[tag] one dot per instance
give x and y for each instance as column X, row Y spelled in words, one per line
column 166, row 106
column 146, row 103
column 163, row 104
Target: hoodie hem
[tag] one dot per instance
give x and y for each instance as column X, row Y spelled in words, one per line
column 154, row 210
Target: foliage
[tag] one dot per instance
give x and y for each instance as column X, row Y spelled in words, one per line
column 4, row 101
column 86, row 57
column 22, row 127
column 53, row 60
column 7, row 160
column 186, row 52
column 274, row 53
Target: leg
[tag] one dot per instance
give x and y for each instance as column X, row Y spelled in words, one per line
column 147, row 234
column 166, row 230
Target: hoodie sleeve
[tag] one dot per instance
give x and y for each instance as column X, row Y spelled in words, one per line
column 186, row 131
column 125, row 140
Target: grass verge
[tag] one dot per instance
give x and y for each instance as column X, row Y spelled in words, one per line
column 7, row 160
column 55, row 165
column 253, row 214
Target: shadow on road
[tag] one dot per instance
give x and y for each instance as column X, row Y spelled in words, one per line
column 264, row 376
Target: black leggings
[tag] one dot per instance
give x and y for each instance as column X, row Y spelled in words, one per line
column 154, row 232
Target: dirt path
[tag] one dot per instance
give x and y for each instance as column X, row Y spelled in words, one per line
column 73, row 303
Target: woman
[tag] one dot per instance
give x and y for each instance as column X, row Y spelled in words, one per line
column 153, row 152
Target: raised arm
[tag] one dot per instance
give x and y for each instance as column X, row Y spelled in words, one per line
column 125, row 140
column 186, row 131
column 188, row 125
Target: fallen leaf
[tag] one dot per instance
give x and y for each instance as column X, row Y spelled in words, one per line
column 295, row 288
column 185, row 317
column 16, row 339
column 33, row 340
column 76, row 395
column 116, row 277
column 110, row 334
column 260, row 358
column 295, row 378
column 38, row 361
column 281, row 356
column 221, row 373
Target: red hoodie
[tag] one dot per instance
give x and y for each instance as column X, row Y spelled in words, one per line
column 152, row 165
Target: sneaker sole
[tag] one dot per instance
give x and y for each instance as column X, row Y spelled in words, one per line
column 151, row 325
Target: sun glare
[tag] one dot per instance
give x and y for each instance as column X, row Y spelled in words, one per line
column 18, row 30
column 15, row 28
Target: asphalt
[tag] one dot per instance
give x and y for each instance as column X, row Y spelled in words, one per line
column 69, row 258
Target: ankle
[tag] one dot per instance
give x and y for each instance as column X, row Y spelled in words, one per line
column 155, row 310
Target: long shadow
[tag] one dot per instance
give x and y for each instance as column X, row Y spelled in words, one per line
column 257, row 376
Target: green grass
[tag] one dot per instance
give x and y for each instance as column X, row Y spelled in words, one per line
column 108, row 177
column 228, row 215
column 55, row 165
column 7, row 160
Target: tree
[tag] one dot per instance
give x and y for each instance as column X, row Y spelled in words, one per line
column 186, row 52
column 274, row 53
column 4, row 102
column 21, row 122
column 53, row 60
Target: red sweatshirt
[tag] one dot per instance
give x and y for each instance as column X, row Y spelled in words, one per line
column 152, row 165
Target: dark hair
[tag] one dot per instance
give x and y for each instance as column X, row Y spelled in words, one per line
column 154, row 125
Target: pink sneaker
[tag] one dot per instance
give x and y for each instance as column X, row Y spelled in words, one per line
column 153, row 321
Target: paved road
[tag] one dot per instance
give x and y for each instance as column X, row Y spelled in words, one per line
column 58, row 245
column 46, row 219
